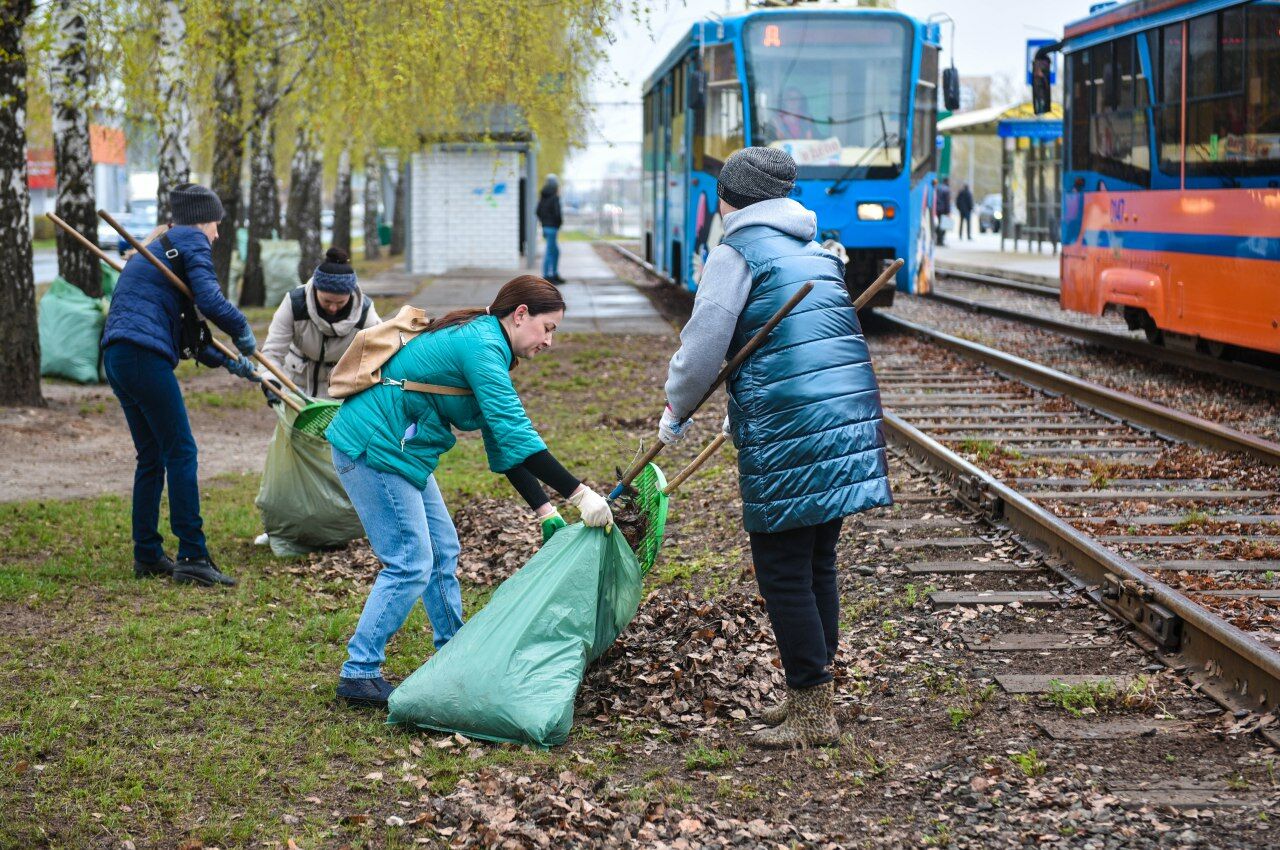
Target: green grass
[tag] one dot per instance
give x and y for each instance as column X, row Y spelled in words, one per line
column 702, row 757
column 1100, row 696
column 1191, row 520
column 1029, row 763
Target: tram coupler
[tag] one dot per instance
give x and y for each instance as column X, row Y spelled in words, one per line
column 1132, row 602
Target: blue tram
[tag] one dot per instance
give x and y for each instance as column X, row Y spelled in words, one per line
column 851, row 94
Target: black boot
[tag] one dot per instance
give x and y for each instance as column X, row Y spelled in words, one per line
column 150, row 569
column 200, row 571
column 362, row 692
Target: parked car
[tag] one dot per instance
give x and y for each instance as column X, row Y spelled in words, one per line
column 990, row 214
column 138, row 225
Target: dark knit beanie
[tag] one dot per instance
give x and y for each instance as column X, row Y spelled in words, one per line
column 335, row 273
column 756, row 174
column 190, row 203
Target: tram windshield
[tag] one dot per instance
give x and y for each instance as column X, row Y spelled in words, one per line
column 831, row 91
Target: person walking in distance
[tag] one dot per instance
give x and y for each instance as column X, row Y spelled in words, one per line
column 804, row 412
column 141, row 344
column 964, row 211
column 550, row 218
column 942, row 209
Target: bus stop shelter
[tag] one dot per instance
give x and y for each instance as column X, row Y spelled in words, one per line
column 1030, row 167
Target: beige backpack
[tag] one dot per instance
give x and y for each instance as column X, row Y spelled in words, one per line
column 360, row 366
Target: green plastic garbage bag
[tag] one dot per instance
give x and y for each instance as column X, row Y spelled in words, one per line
column 511, row 673
column 70, row 327
column 304, row 507
column 280, row 258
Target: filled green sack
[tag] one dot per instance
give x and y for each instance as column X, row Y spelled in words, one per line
column 70, row 327
column 280, row 258
column 512, row 672
column 304, row 506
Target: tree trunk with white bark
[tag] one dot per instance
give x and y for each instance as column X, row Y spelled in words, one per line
column 372, row 193
column 73, row 159
column 342, row 203
column 20, row 347
column 174, row 155
column 228, row 144
column 264, row 200
column 302, row 215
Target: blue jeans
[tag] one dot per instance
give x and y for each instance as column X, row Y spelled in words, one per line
column 413, row 536
column 551, row 259
column 144, row 383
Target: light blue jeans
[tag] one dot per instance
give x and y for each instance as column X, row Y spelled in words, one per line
column 413, row 536
column 551, row 259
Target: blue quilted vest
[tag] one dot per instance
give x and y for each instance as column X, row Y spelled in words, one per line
column 804, row 410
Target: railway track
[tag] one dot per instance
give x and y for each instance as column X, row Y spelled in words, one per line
column 1165, row 522
column 1035, row 305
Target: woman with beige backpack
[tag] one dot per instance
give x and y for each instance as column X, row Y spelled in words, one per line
column 389, row 437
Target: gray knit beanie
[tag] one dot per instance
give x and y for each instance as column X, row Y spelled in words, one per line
column 191, row 203
column 756, row 174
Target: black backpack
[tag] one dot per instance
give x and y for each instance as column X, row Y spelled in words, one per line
column 194, row 332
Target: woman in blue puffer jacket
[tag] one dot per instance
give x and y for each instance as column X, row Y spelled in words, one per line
column 141, row 344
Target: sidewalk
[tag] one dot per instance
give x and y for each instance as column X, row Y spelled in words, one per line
column 596, row 300
column 982, row 255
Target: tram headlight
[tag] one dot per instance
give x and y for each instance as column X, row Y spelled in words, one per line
column 874, row 212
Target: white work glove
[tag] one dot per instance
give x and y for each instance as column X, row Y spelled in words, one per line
column 594, row 507
column 670, row 429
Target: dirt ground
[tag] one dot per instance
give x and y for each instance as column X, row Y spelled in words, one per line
column 79, row 444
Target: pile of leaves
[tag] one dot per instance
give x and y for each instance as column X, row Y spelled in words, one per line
column 501, row 809
column 355, row 565
column 498, row 537
column 688, row 662
column 631, row 521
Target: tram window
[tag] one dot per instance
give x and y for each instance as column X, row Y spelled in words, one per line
column 923, row 132
column 1081, row 90
column 1108, row 126
column 718, row 126
column 1166, row 57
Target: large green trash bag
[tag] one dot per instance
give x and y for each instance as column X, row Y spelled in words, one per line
column 511, row 673
column 280, row 258
column 70, row 327
column 304, row 507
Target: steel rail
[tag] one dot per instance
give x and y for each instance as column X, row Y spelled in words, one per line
column 1231, row 666
column 1002, row 282
column 1244, row 373
column 631, row 256
column 1130, row 408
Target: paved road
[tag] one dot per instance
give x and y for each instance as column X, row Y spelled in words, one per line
column 596, row 300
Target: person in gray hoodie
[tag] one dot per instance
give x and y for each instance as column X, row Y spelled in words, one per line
column 804, row 413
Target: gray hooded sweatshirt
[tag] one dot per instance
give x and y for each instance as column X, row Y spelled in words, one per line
column 722, row 294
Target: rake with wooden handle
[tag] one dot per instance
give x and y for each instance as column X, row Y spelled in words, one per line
column 115, row 264
column 714, row 446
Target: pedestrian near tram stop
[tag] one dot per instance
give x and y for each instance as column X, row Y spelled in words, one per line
column 804, row 412
column 388, row 439
column 141, row 344
column 316, row 322
column 550, row 218
column 964, row 212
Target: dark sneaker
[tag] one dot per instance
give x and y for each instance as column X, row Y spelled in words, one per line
column 200, row 571
column 363, row 692
column 151, row 569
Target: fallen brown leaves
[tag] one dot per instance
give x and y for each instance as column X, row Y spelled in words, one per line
column 498, row 537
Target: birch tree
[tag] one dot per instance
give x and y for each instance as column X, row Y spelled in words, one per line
column 342, row 202
column 264, row 200
column 73, row 159
column 228, row 139
column 396, row 248
column 372, row 193
column 174, row 108
column 302, row 215
column 20, row 352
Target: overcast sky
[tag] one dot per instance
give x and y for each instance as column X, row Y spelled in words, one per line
column 990, row 37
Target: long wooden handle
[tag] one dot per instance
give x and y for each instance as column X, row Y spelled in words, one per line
column 880, row 283
column 738, row 359
column 79, row 237
column 182, row 287
column 703, row 456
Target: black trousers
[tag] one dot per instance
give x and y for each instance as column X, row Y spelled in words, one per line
column 796, row 571
column 966, row 226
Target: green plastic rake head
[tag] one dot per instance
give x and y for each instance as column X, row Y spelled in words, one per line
column 652, row 502
column 316, row 417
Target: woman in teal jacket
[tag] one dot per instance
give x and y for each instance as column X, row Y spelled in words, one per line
column 387, row 442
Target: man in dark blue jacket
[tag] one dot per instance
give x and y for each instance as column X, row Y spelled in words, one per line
column 804, row 412
column 141, row 345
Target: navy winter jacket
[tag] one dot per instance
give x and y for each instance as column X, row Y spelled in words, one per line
column 145, row 308
column 805, row 408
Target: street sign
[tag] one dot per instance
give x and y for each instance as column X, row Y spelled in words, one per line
column 1034, row 44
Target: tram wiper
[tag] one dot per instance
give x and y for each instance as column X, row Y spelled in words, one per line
column 886, row 138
